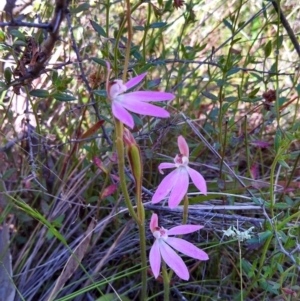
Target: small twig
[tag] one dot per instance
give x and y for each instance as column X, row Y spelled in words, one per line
column 210, row 63
column 13, row 142
column 31, row 154
column 46, row 26
column 199, row 212
column 287, row 26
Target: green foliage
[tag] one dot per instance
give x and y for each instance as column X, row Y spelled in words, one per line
column 222, row 63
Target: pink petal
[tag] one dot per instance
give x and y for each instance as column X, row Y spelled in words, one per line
column 147, row 96
column 142, row 108
column 187, row 248
column 164, row 166
column 184, row 229
column 155, row 259
column 174, row 261
column 180, row 187
column 135, row 80
column 197, row 179
column 153, row 222
column 165, row 186
column 121, row 114
column 183, row 146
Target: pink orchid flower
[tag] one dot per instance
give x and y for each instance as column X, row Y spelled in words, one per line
column 162, row 248
column 176, row 183
column 136, row 102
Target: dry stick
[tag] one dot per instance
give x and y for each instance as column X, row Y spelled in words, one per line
column 287, row 26
column 17, row 23
column 37, row 65
column 47, row 46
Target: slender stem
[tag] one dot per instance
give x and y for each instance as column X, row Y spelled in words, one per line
column 146, row 31
column 121, row 167
column 166, row 283
column 140, row 207
column 144, row 261
column 185, row 209
column 120, row 33
column 129, row 30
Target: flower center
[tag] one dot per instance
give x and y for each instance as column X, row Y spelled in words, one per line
column 115, row 88
column 160, row 233
column 181, row 160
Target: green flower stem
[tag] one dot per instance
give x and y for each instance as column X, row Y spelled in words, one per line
column 129, row 38
column 140, row 216
column 121, row 167
column 139, row 174
column 144, row 261
column 185, row 209
column 166, row 282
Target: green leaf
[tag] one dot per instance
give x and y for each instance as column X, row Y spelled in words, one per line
column 80, row 8
column 63, row 96
column 233, row 71
column 210, row 95
column 8, row 173
column 298, row 89
column 139, row 28
column 281, row 205
column 39, row 93
column 227, row 24
column 112, row 297
column 158, row 25
column 18, row 34
column 253, row 93
column 283, row 164
column 268, row 49
column 99, row 61
column 3, row 87
column 98, row 29
column 7, row 74
column 100, row 93
column 2, row 36
column 19, row 43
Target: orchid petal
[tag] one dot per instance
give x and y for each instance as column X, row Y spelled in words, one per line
column 142, row 107
column 184, row 229
column 183, row 146
column 155, row 258
column 135, row 80
column 165, row 186
column 174, row 261
column 165, row 165
column 121, row 114
column 197, row 179
column 147, row 96
column 180, row 187
column 187, row 248
column 153, row 222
